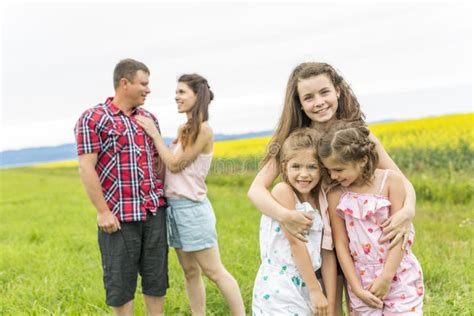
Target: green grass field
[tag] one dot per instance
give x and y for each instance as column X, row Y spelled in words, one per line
column 49, row 257
column 50, row 264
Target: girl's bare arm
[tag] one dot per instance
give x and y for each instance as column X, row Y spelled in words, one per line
column 396, row 194
column 283, row 193
column 397, row 226
column 341, row 241
column 295, row 223
column 329, row 273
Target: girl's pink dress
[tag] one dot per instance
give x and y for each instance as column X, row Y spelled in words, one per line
column 363, row 214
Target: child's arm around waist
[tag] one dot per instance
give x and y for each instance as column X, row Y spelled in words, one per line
column 396, row 194
column 284, row 194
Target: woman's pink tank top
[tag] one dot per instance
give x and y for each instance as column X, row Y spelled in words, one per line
column 190, row 182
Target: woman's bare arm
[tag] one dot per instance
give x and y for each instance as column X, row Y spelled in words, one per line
column 182, row 158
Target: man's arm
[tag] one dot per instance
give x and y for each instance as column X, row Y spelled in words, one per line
column 106, row 220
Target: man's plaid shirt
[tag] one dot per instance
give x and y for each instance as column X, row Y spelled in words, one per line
column 127, row 160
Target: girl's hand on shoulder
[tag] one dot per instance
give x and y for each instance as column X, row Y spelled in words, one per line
column 370, row 299
column 298, row 224
column 397, row 229
column 380, row 286
column 148, row 125
column 319, row 303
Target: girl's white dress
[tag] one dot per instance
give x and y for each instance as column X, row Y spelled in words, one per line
column 279, row 288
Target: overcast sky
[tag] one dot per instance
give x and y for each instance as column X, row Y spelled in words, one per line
column 402, row 60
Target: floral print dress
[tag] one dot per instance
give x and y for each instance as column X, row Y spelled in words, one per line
column 363, row 214
column 279, row 289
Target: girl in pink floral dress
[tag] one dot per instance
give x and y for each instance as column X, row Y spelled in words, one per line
column 381, row 281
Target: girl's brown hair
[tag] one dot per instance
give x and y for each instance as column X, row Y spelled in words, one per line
column 199, row 112
column 293, row 115
column 300, row 139
column 350, row 143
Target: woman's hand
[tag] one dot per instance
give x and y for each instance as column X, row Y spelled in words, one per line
column 397, row 228
column 297, row 224
column 148, row 125
column 319, row 303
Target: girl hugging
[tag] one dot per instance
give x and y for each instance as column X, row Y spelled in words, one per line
column 319, row 98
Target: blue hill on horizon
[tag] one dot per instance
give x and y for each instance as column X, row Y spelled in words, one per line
column 29, row 156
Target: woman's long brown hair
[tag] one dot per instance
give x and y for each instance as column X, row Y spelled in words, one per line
column 199, row 112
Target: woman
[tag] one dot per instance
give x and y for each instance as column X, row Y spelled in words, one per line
column 191, row 220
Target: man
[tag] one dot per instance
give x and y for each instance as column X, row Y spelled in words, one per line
column 122, row 174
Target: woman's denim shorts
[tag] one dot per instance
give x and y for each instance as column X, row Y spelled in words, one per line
column 191, row 225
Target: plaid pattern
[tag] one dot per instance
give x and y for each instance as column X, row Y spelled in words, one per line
column 126, row 162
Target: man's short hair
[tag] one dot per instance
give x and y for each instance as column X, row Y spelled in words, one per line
column 127, row 68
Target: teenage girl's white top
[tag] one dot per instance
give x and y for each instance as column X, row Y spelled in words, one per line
column 190, row 182
column 279, row 288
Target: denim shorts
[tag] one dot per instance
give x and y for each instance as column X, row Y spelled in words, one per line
column 139, row 247
column 191, row 225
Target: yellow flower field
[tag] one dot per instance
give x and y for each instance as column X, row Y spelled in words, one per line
column 444, row 132
column 438, row 132
column 57, row 164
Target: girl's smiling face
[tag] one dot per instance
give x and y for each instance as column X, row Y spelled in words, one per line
column 318, row 97
column 302, row 171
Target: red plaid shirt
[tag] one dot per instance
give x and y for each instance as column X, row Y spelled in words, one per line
column 126, row 162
